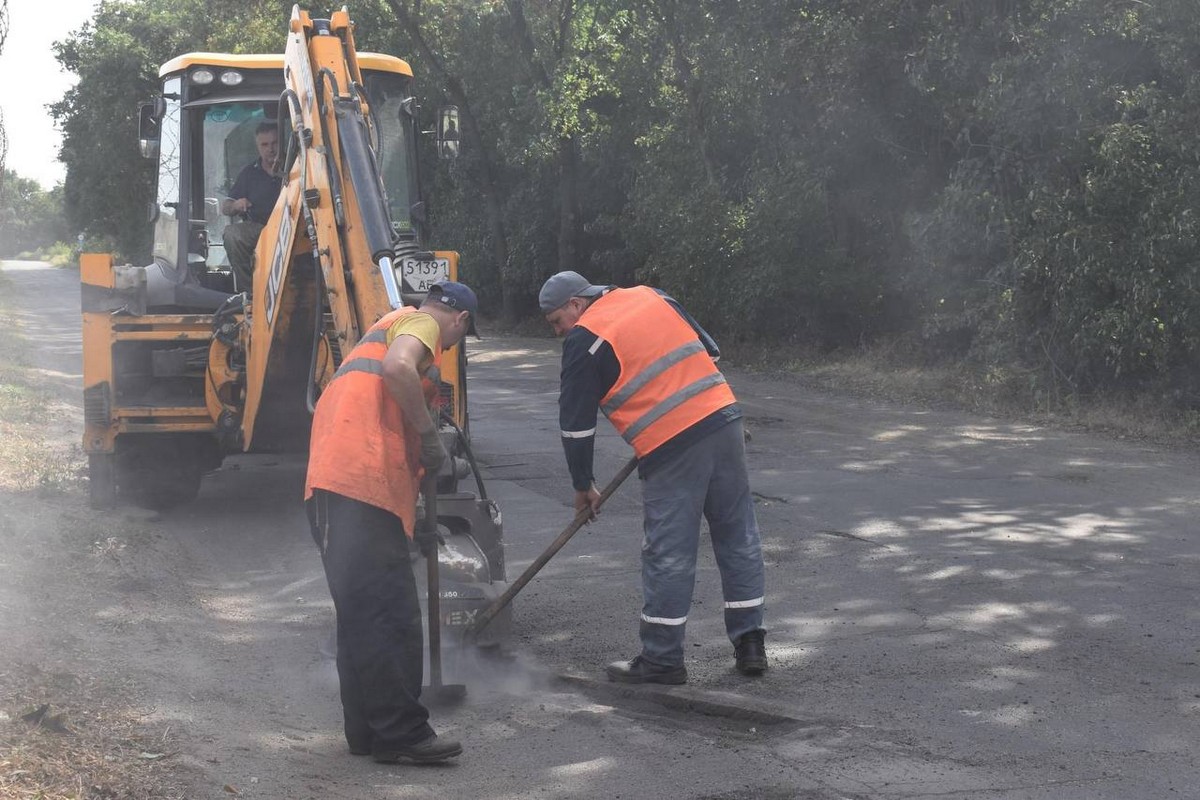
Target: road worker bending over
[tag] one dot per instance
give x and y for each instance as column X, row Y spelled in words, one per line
column 641, row 359
column 372, row 439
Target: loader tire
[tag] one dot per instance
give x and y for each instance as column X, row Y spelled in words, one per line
column 162, row 489
column 102, row 480
column 161, row 472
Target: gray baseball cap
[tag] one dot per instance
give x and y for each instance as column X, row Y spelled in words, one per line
column 562, row 286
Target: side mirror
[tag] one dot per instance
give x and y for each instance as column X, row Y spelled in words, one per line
column 448, row 132
column 149, row 127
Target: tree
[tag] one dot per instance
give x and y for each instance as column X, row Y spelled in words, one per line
column 3, row 135
column 30, row 217
column 1066, row 242
column 1013, row 182
column 481, row 153
column 108, row 186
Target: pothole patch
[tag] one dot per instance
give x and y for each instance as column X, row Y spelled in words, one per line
column 725, row 710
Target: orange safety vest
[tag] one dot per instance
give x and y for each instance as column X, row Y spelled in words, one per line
column 667, row 382
column 361, row 446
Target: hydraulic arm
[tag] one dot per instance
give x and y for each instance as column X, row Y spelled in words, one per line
column 331, row 221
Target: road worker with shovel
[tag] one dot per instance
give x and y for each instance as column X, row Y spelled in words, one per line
column 637, row 356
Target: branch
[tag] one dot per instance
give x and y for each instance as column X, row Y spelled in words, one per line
column 516, row 10
column 565, row 20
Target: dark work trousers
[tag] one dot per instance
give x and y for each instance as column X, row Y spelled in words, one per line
column 240, row 239
column 707, row 479
column 380, row 644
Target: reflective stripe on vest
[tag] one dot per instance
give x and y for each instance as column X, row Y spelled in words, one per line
column 667, row 382
column 374, row 366
column 674, row 401
column 650, row 373
column 371, row 366
column 361, row 446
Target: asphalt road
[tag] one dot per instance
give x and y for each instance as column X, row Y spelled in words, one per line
column 957, row 607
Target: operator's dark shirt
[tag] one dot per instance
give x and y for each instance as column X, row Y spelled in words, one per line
column 587, row 376
column 259, row 187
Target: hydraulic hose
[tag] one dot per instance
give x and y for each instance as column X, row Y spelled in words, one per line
column 297, row 147
column 462, row 437
column 364, row 177
column 318, row 332
column 325, row 75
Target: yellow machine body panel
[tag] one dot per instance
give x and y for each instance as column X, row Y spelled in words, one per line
column 367, row 61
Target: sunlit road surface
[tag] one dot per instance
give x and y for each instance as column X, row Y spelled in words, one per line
column 958, row 607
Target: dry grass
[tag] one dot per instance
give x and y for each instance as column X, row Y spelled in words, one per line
column 27, row 461
column 68, row 737
column 63, row 736
column 882, row 373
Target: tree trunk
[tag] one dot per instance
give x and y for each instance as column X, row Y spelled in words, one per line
column 485, row 170
column 693, row 90
column 568, row 145
column 568, row 215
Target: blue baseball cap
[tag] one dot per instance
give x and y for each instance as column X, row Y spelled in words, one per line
column 456, row 295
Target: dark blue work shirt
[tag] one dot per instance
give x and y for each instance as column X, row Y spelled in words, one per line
column 258, row 186
column 588, row 373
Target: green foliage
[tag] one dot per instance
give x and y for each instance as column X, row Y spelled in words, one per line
column 1066, row 241
column 1010, row 181
column 30, row 217
column 109, row 185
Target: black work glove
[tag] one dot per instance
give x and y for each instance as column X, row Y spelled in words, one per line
column 433, row 452
column 426, row 538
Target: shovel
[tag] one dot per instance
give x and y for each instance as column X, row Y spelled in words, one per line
column 428, row 540
column 580, row 520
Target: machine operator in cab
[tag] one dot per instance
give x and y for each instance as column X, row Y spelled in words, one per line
column 251, row 200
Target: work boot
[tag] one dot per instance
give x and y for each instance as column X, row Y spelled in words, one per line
column 751, row 653
column 360, row 742
column 427, row 751
column 641, row 671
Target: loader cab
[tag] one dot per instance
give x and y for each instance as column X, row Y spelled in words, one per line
column 201, row 130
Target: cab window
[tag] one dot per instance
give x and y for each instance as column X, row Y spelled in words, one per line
column 228, row 136
column 394, row 145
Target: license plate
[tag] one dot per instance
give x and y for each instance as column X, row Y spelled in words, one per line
column 420, row 274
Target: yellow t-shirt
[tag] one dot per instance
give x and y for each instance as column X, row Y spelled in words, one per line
column 421, row 326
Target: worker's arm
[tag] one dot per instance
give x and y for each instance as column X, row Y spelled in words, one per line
column 230, row 206
column 586, row 378
column 402, row 376
column 236, row 203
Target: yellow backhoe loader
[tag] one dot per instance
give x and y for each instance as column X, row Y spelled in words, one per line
column 183, row 367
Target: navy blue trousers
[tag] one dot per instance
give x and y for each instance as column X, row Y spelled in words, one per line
column 709, row 479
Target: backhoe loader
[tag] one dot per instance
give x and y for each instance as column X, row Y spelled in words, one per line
column 182, row 367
